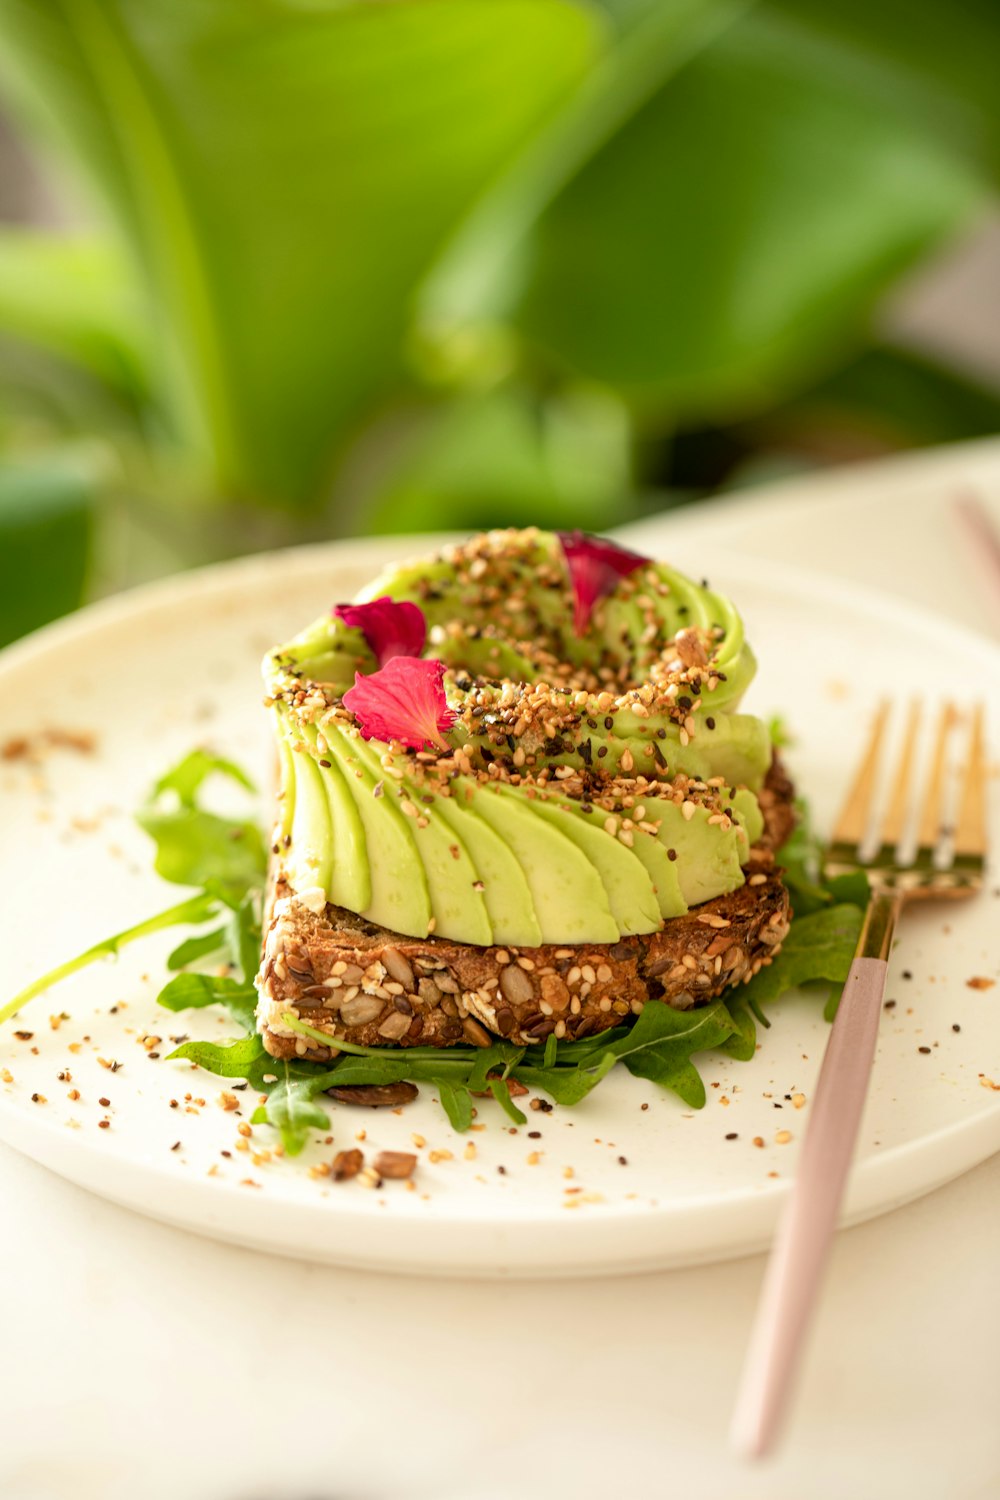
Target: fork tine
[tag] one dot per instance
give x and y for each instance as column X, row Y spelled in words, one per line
column 970, row 830
column 895, row 819
column 852, row 825
column 931, row 819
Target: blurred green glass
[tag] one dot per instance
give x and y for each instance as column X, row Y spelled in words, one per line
column 380, row 265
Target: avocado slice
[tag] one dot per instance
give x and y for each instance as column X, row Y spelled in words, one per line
column 629, row 889
column 458, row 908
column 507, row 894
column 708, row 856
column 568, row 894
column 323, row 653
column 350, row 883
column 737, row 747
column 309, row 861
column 399, row 895
column 661, row 869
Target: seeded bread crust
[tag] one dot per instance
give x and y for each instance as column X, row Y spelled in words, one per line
column 777, row 804
column 363, row 983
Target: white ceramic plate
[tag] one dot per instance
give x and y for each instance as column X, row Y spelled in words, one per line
column 175, row 665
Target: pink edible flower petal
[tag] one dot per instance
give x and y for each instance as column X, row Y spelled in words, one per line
column 403, row 701
column 391, row 627
column 595, row 568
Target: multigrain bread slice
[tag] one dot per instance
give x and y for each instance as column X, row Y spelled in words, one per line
column 366, row 984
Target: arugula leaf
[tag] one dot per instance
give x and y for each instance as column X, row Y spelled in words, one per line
column 658, row 1047
column 742, row 1044
column 500, row 1090
column 820, row 946
column 456, row 1101
column 568, row 1085
column 801, row 860
column 202, row 945
column 486, row 1060
column 195, row 991
column 584, row 1050
column 224, row 856
column 291, row 1106
column 194, row 847
column 237, row 943
column 244, row 935
column 191, row 912
column 661, row 1042
column 244, row 1058
column 188, row 775
column 199, row 848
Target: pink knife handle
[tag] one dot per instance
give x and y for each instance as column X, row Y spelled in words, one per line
column 807, row 1227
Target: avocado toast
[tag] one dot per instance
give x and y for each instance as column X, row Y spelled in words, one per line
column 518, row 799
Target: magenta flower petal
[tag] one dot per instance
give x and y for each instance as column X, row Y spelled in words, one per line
column 391, row 627
column 595, row 568
column 403, row 701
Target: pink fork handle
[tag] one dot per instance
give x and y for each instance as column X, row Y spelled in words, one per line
column 807, row 1227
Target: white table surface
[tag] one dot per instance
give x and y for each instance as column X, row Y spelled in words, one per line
column 139, row 1361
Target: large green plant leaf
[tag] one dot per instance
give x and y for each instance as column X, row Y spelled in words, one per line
column 70, row 295
column 285, row 174
column 938, row 59
column 741, row 225
column 46, row 510
column 652, row 39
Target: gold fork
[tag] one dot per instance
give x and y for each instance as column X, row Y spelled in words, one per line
column 932, row 872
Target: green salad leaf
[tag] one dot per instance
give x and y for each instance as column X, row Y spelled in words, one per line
column 742, row 1043
column 291, row 1106
column 195, row 991
column 185, row 913
column 662, row 1050
column 202, row 945
column 244, row 1058
column 820, row 946
column 189, row 775
column 801, row 858
column 224, row 858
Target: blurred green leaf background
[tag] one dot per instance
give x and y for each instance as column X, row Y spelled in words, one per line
column 323, row 268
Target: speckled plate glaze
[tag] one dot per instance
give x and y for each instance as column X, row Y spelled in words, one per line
column 630, row 1179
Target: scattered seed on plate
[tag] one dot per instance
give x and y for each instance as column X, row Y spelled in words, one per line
column 397, row 1164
